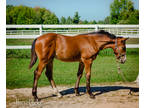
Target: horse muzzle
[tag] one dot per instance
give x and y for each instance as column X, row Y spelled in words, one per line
column 122, row 59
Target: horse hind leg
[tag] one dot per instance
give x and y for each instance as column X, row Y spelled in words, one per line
column 49, row 74
column 79, row 75
column 37, row 74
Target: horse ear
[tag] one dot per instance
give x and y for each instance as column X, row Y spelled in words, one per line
column 126, row 38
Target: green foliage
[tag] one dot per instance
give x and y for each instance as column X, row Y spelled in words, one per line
column 27, row 15
column 76, row 18
column 92, row 22
column 8, row 14
column 18, row 53
column 107, row 20
column 101, row 22
column 63, row 20
column 123, row 12
column 38, row 14
column 50, row 18
column 69, row 20
column 85, row 22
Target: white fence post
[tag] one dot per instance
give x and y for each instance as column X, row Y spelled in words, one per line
column 96, row 28
column 40, row 29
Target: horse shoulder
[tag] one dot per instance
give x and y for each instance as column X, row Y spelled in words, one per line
column 89, row 48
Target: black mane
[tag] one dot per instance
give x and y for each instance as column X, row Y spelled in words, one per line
column 112, row 36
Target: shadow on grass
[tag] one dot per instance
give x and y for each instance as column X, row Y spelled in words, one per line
column 98, row 90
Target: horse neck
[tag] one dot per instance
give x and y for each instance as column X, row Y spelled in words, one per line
column 110, row 43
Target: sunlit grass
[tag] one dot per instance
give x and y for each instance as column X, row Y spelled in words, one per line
column 104, row 69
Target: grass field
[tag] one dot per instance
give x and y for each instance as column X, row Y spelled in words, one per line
column 29, row 41
column 104, row 69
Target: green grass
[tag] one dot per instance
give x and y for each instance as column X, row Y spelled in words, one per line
column 26, row 53
column 132, row 41
column 29, row 41
column 104, row 69
column 19, row 41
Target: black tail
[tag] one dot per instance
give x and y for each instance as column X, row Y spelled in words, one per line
column 33, row 55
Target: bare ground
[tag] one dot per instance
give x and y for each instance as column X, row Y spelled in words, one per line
column 114, row 95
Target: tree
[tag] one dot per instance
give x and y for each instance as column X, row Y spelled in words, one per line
column 76, row 18
column 38, row 15
column 8, row 15
column 69, row 20
column 27, row 15
column 92, row 22
column 123, row 12
column 115, row 9
column 107, row 20
column 85, row 22
column 63, row 20
column 129, row 15
column 50, row 18
column 13, row 13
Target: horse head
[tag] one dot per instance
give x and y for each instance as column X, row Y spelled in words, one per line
column 120, row 49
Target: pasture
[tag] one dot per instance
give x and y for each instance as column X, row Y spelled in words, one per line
column 104, row 69
column 29, row 41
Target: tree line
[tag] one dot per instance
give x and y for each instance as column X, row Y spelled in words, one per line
column 121, row 12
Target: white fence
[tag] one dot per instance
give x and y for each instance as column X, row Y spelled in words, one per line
column 33, row 31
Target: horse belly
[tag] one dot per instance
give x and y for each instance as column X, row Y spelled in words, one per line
column 68, row 56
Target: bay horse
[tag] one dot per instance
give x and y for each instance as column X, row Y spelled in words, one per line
column 82, row 48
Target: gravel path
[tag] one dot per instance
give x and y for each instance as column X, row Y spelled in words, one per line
column 115, row 95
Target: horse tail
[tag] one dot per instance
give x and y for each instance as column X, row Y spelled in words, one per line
column 33, row 55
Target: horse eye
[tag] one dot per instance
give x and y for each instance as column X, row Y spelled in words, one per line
column 124, row 48
column 123, row 41
column 123, row 55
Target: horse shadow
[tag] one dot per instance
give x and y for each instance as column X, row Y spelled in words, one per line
column 97, row 90
column 101, row 90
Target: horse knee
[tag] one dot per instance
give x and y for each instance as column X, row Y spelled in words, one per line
column 88, row 75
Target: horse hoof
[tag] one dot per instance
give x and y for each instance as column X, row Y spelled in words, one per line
column 59, row 95
column 78, row 94
column 36, row 100
column 92, row 96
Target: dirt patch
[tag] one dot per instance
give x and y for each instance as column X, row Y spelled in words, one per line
column 115, row 95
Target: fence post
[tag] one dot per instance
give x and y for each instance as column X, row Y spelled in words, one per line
column 96, row 28
column 40, row 29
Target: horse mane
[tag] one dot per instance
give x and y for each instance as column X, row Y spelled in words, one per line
column 112, row 36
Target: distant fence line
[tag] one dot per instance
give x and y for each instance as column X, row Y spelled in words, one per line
column 33, row 31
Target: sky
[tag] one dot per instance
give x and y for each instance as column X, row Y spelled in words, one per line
column 87, row 9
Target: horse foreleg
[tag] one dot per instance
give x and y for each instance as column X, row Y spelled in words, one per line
column 88, row 64
column 49, row 74
column 37, row 74
column 79, row 75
